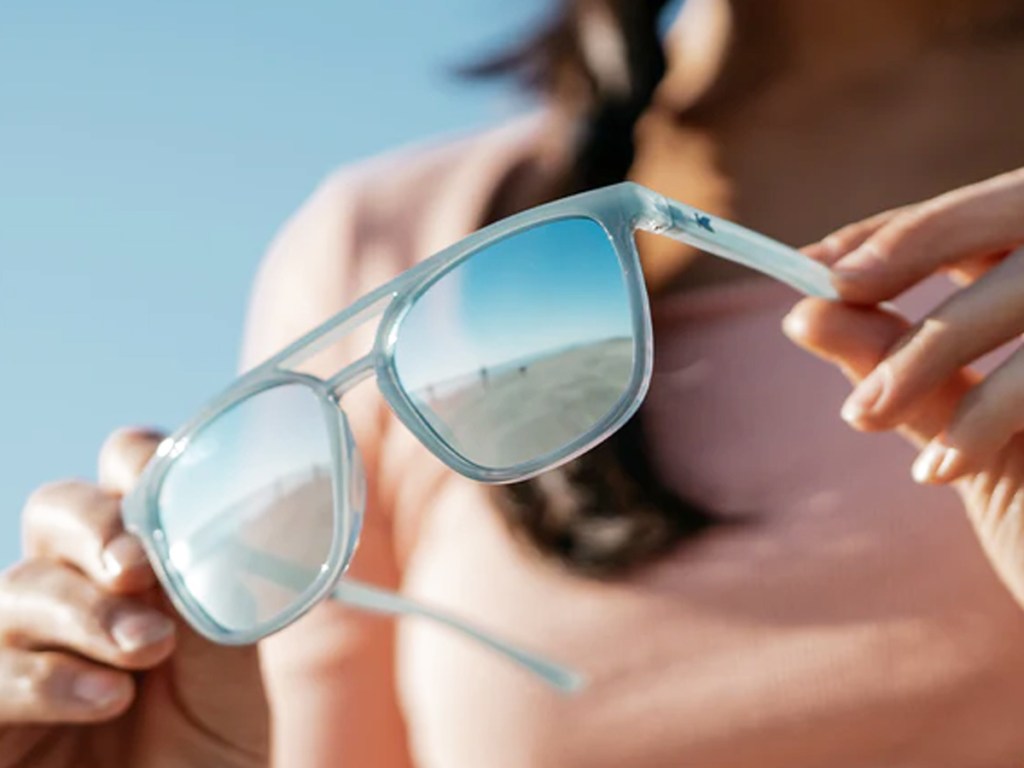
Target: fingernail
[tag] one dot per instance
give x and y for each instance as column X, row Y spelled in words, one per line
column 865, row 397
column 792, row 325
column 97, row 689
column 936, row 463
column 858, row 262
column 122, row 554
column 830, row 249
column 135, row 629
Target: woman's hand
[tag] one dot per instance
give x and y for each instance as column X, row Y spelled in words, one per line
column 917, row 379
column 95, row 669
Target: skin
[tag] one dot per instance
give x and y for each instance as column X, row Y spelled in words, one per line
column 917, row 379
column 94, row 668
column 177, row 700
column 70, row 695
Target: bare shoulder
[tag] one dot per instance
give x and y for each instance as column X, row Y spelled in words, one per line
column 363, row 224
column 311, row 268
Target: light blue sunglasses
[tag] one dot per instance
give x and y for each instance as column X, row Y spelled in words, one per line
column 507, row 354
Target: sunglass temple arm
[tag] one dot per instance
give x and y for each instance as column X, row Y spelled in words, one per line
column 367, row 597
column 370, row 598
column 738, row 244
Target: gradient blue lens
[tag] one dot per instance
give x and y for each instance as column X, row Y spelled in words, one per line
column 524, row 348
column 247, row 508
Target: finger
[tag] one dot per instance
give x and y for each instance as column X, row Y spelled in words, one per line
column 57, row 688
column 856, row 339
column 967, row 271
column 969, row 222
column 841, row 242
column 971, row 323
column 123, row 456
column 78, row 523
column 987, row 419
column 46, row 605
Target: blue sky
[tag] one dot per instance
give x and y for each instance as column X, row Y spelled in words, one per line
column 148, row 152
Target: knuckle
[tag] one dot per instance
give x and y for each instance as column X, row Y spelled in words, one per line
column 927, row 221
column 918, row 348
column 43, row 676
column 31, row 585
column 931, row 347
column 76, row 607
column 935, row 337
column 92, row 512
column 842, row 237
column 908, row 232
column 51, row 493
column 69, row 615
column 21, row 573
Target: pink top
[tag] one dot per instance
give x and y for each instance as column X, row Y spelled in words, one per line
column 849, row 618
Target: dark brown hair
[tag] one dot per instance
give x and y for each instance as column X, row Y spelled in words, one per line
column 607, row 511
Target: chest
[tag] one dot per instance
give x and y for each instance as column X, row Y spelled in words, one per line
column 814, row 629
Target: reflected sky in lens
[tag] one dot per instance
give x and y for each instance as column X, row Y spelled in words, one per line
column 252, row 487
column 274, row 438
column 555, row 286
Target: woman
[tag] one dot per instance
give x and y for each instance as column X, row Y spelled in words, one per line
column 775, row 591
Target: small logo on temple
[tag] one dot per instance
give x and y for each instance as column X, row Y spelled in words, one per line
column 703, row 221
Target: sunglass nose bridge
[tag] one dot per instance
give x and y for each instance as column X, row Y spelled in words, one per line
column 351, row 375
column 349, row 329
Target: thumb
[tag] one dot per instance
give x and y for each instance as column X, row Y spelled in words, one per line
column 857, row 339
column 124, row 455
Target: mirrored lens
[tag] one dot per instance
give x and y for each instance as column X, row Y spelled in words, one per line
column 522, row 349
column 247, row 507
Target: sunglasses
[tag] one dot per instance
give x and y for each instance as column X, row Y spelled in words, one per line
column 507, row 354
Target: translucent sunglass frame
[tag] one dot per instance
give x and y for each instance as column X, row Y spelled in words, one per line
column 620, row 210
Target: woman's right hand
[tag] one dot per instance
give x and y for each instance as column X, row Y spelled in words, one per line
column 95, row 667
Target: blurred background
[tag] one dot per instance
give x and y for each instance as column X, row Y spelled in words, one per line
column 148, row 153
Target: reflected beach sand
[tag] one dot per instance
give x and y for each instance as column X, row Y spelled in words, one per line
column 251, row 560
column 505, row 415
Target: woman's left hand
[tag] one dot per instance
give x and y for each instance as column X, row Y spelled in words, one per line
column 917, row 378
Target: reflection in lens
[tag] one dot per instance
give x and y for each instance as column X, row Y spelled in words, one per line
column 247, row 508
column 522, row 348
